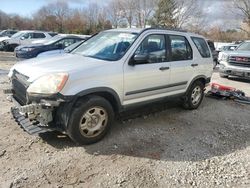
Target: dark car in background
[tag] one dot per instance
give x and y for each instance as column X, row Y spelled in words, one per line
column 214, row 52
column 55, row 43
column 61, row 51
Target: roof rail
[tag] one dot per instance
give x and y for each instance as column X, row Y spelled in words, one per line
column 165, row 28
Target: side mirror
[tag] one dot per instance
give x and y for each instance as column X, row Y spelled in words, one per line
column 138, row 59
column 22, row 38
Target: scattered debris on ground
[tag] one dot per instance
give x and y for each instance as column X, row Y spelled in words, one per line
column 227, row 92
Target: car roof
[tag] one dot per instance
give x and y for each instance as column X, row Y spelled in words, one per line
column 140, row 30
column 130, row 30
column 32, row 31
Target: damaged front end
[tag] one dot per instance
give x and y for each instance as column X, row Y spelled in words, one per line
column 34, row 115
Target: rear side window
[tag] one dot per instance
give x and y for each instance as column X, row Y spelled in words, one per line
column 202, row 46
column 180, row 48
column 39, row 35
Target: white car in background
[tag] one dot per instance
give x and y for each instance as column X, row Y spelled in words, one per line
column 237, row 62
column 24, row 38
column 226, row 48
column 4, row 35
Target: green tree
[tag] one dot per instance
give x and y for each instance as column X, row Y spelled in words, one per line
column 165, row 14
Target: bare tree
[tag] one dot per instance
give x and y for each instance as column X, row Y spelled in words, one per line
column 60, row 10
column 174, row 13
column 185, row 11
column 243, row 7
column 114, row 12
column 128, row 8
column 53, row 16
column 144, row 11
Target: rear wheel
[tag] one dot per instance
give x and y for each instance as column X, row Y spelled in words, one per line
column 90, row 120
column 194, row 96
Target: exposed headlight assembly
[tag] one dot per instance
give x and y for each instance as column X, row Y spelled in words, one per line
column 48, row 84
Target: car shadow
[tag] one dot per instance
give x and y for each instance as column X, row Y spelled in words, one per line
column 239, row 79
column 167, row 132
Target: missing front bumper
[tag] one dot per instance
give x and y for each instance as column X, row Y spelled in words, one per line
column 33, row 118
column 33, row 128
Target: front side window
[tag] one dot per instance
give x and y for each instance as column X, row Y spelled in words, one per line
column 154, row 47
column 65, row 42
column 27, row 36
column 108, row 45
column 202, row 47
column 180, row 48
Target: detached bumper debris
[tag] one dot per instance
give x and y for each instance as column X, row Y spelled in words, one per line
column 226, row 92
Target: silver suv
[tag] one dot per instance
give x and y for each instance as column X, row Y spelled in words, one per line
column 236, row 63
column 81, row 92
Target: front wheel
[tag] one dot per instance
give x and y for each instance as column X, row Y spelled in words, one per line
column 90, row 120
column 194, row 96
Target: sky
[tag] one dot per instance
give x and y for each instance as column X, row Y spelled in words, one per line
column 216, row 12
column 28, row 7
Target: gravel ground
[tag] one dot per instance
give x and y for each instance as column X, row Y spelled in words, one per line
column 157, row 146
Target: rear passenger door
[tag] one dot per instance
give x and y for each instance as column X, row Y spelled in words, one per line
column 181, row 58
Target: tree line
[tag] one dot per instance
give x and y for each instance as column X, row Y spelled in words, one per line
column 60, row 17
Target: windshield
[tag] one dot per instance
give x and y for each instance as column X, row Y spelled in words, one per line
column 244, row 46
column 18, row 34
column 109, row 45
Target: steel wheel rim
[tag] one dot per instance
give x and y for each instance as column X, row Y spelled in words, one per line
column 93, row 122
column 196, row 95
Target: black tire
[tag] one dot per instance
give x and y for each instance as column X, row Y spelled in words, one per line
column 188, row 101
column 78, row 114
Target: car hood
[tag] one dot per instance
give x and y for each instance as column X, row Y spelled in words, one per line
column 30, row 46
column 67, row 63
column 238, row 53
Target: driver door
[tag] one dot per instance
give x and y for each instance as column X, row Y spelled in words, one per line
column 149, row 75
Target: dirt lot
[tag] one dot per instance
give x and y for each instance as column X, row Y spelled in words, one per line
column 160, row 146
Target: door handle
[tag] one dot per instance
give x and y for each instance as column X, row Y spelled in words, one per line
column 194, row 65
column 163, row 68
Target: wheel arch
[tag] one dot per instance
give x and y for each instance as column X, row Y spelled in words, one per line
column 109, row 94
column 205, row 80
